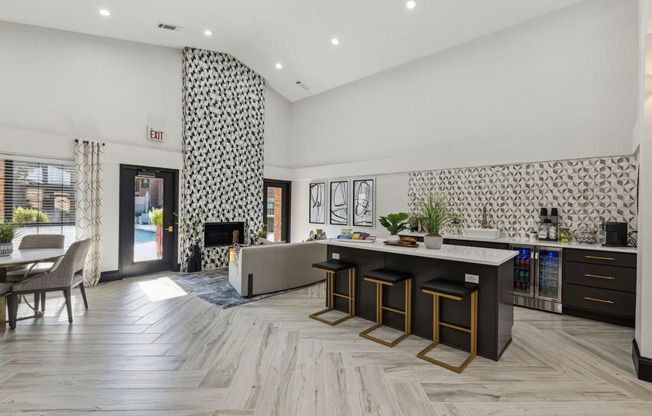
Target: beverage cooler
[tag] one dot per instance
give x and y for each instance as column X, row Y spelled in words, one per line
column 537, row 277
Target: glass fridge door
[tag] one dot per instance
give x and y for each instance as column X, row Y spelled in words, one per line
column 524, row 271
column 549, row 274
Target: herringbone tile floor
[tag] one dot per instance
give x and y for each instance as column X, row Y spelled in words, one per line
column 145, row 348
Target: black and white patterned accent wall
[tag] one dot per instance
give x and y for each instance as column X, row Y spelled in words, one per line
column 586, row 192
column 223, row 130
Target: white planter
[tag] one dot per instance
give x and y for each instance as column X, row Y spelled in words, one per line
column 433, row 242
column 394, row 239
column 6, row 249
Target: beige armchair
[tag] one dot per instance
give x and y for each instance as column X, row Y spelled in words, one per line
column 64, row 276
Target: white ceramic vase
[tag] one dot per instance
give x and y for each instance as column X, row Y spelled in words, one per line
column 433, row 242
column 393, row 239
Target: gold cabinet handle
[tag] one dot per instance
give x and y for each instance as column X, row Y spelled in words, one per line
column 598, row 300
column 599, row 258
column 597, row 276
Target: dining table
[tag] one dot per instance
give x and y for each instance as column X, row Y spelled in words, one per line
column 20, row 258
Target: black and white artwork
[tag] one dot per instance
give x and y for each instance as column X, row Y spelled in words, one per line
column 363, row 202
column 318, row 203
column 339, row 203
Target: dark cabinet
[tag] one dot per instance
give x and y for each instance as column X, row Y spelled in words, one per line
column 600, row 285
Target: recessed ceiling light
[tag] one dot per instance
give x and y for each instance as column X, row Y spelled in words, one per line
column 335, row 41
column 411, row 4
column 279, row 65
column 208, row 33
column 105, row 12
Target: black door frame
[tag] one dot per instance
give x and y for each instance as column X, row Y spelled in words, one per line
column 286, row 206
column 126, row 267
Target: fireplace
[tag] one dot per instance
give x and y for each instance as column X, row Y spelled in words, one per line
column 218, row 234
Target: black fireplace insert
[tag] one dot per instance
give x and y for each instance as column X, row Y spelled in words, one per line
column 223, row 233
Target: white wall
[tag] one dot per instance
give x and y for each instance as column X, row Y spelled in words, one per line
column 644, row 140
column 558, row 87
column 391, row 196
column 278, row 113
column 56, row 86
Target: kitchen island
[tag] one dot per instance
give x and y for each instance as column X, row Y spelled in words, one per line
column 494, row 268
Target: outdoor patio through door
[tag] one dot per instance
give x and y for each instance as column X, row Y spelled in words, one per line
column 148, row 235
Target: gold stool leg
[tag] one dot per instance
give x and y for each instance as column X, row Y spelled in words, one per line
column 330, row 294
column 379, row 315
column 473, row 332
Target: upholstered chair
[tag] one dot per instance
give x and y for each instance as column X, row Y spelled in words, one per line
column 35, row 241
column 64, row 276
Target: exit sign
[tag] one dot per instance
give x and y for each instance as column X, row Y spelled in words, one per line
column 155, row 135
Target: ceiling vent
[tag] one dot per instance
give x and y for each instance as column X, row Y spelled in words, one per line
column 302, row 85
column 168, row 26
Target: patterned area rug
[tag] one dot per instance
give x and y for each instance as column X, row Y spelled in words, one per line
column 213, row 286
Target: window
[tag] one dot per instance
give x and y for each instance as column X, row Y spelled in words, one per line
column 39, row 195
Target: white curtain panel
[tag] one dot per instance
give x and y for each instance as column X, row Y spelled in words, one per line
column 89, row 163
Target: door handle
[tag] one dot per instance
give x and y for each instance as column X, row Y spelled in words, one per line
column 171, row 228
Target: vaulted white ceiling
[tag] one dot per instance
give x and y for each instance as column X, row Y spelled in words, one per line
column 374, row 34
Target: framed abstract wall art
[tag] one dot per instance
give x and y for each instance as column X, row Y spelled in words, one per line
column 364, row 202
column 317, row 203
column 339, row 202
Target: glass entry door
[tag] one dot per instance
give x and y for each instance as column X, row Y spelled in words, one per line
column 148, row 235
column 276, row 210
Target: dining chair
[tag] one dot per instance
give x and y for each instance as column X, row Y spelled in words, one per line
column 5, row 290
column 35, row 241
column 64, row 276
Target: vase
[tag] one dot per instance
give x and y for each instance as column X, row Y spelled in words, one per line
column 194, row 260
column 159, row 241
column 6, row 249
column 433, row 242
column 393, row 239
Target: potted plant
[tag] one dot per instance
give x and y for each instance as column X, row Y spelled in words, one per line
column 395, row 223
column 8, row 231
column 156, row 218
column 435, row 215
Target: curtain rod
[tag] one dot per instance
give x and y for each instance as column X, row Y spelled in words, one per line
column 86, row 141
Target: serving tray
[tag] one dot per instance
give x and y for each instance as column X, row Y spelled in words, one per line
column 367, row 240
column 401, row 245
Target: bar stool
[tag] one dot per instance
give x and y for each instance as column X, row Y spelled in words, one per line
column 457, row 291
column 332, row 267
column 386, row 277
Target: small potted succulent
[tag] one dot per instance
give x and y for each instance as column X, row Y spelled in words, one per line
column 395, row 223
column 8, row 231
column 435, row 215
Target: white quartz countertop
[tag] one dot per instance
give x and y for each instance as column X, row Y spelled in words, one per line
column 477, row 255
column 525, row 241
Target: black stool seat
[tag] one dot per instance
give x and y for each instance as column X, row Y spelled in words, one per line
column 387, row 275
column 333, row 265
column 449, row 287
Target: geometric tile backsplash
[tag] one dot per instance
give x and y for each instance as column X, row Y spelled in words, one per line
column 585, row 191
